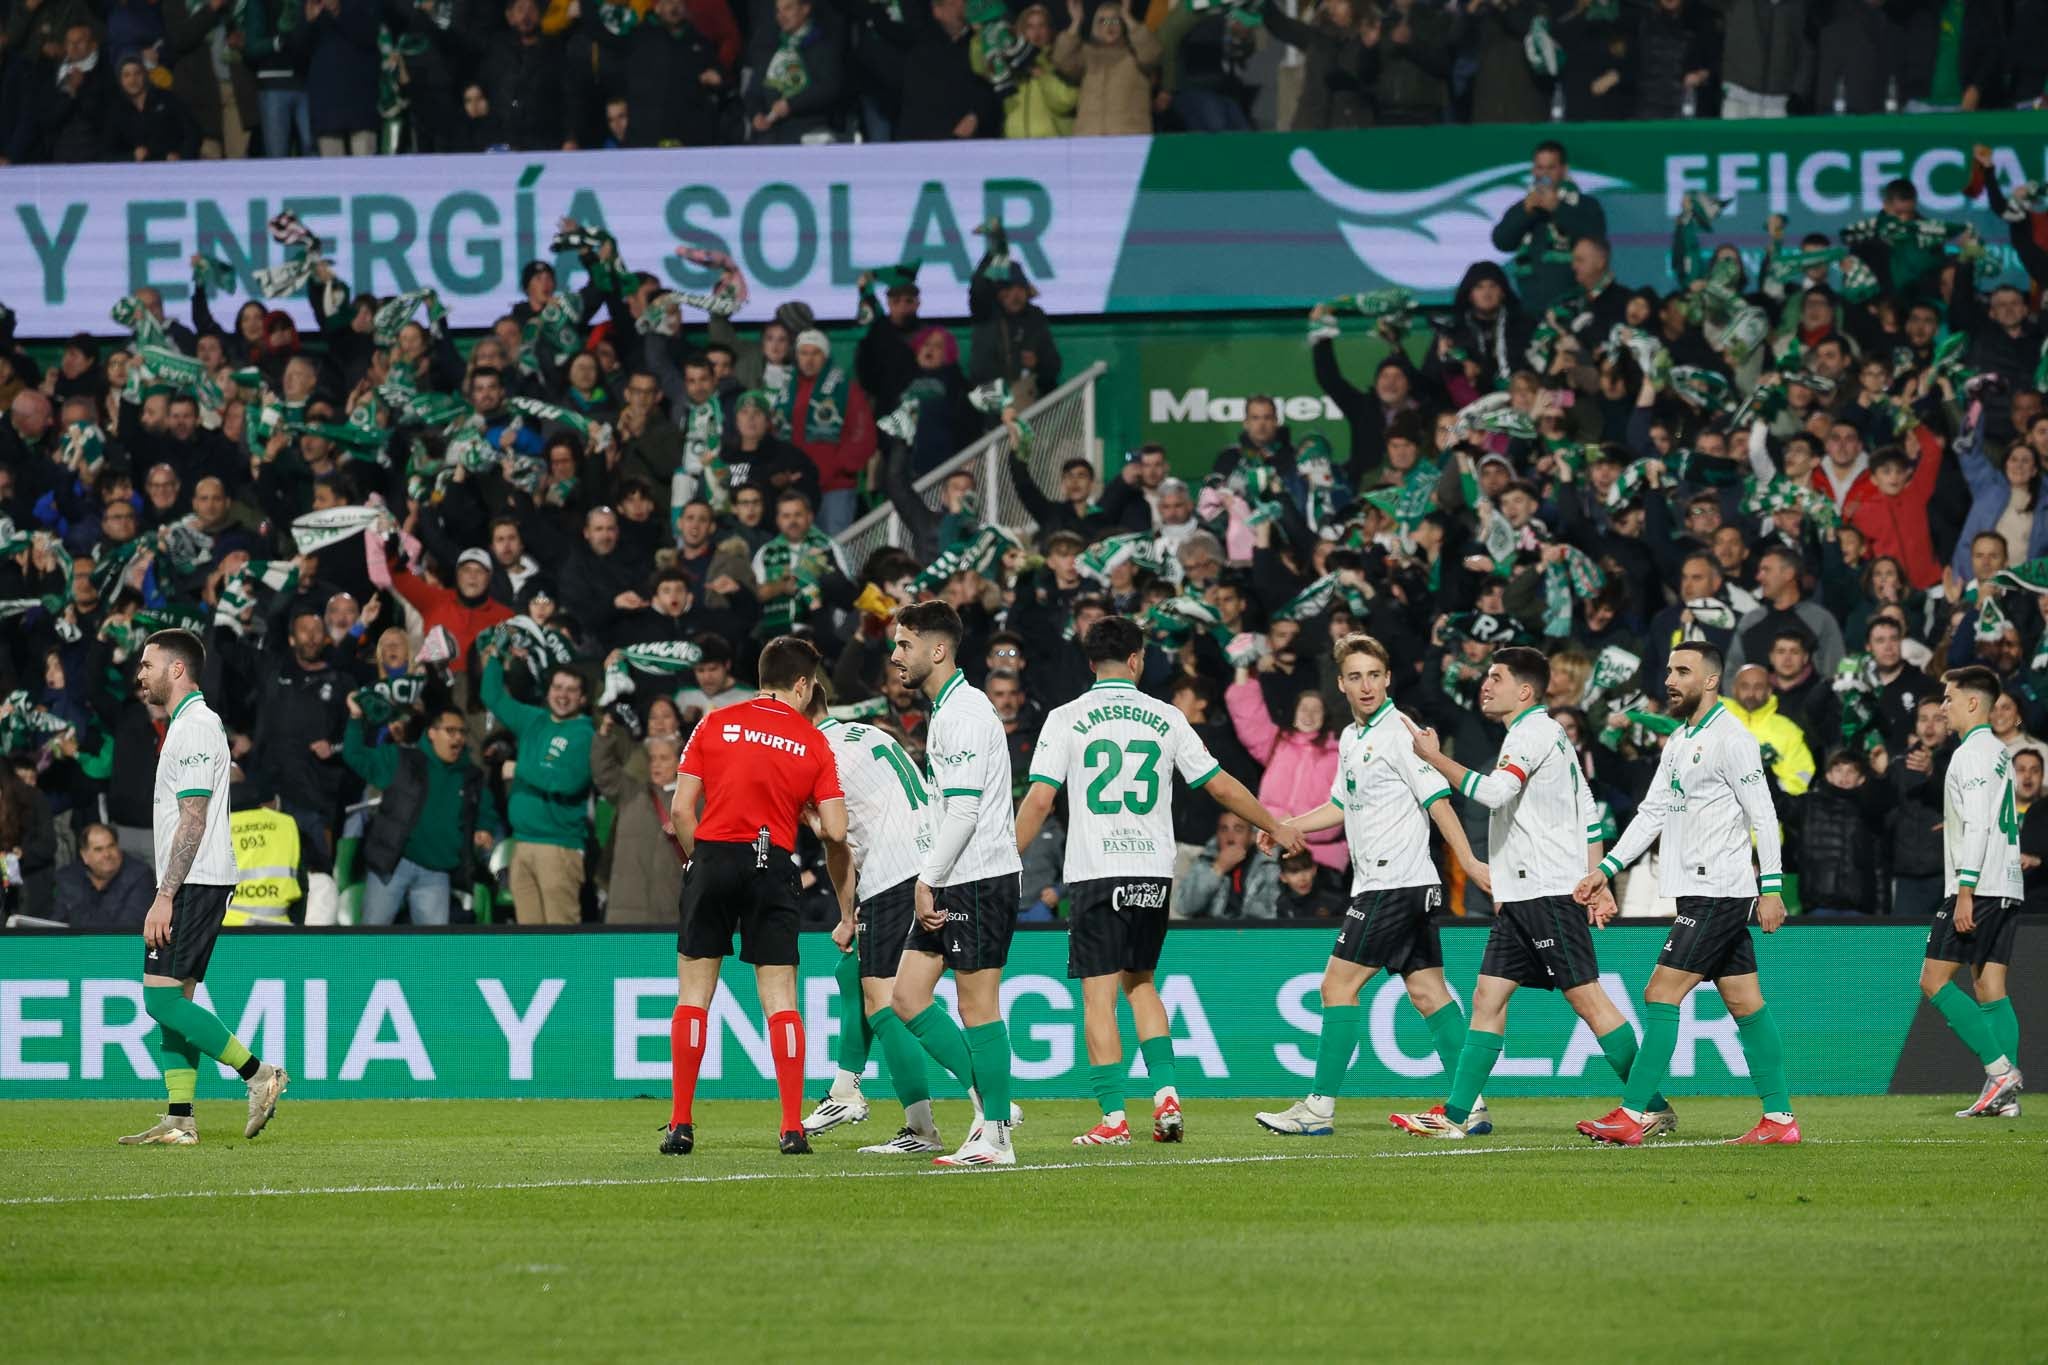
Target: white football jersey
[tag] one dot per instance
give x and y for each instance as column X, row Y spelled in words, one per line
column 1543, row 812
column 1119, row 748
column 1709, row 798
column 194, row 762
column 888, row 806
column 969, row 755
column 1385, row 792
column 1980, row 823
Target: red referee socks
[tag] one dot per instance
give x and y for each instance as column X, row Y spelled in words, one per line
column 786, row 1042
column 687, row 1029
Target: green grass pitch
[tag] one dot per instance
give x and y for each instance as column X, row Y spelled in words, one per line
column 553, row 1230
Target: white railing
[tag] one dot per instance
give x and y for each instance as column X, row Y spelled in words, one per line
column 1064, row 424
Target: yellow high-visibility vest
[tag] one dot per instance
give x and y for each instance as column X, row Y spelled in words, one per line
column 267, row 857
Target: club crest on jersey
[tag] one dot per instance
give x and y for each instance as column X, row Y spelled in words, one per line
column 1697, row 754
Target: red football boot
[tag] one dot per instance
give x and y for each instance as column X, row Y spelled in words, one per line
column 1769, row 1132
column 1617, row 1128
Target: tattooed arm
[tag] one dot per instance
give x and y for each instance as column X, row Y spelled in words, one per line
column 156, row 928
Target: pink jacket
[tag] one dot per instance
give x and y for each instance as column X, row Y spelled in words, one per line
column 1300, row 769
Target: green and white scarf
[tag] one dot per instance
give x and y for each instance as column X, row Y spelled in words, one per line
column 315, row 531
column 667, row 656
column 387, row 698
column 1611, row 671
column 1575, row 575
column 392, row 315
column 786, row 75
column 825, row 417
column 1102, row 558
column 979, row 553
column 239, row 593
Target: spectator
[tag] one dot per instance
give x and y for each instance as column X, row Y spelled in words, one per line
column 2009, row 725
column 145, row 123
column 2026, row 780
column 830, row 422
column 211, row 76
column 1840, row 826
column 1861, row 62
column 1418, row 43
column 798, row 97
column 1339, row 44
column 464, row 611
column 277, row 63
column 1787, row 755
column 1300, row 762
column 646, row 885
column 105, row 889
column 943, row 98
column 1204, row 60
column 1506, row 87
column 1230, row 878
column 1541, row 227
column 522, row 75
column 1675, row 60
column 713, row 683
column 1955, row 54
column 435, row 816
column 1784, row 605
column 65, row 111
column 550, row 793
column 1114, row 67
column 2005, row 500
column 1889, row 506
column 1913, row 831
column 1044, row 101
column 339, row 39
column 1305, row 890
column 1766, row 59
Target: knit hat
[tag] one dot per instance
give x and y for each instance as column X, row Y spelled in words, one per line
column 797, row 316
column 811, row 336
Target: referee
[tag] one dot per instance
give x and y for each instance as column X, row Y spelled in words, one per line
column 195, row 874
column 756, row 765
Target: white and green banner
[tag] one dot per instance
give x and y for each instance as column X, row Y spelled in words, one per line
column 1101, row 225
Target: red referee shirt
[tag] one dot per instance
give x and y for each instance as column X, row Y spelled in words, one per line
column 759, row 762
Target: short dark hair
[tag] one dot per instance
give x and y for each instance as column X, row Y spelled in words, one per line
column 668, row 575
column 1969, row 678
column 1785, row 552
column 1550, row 144
column 1711, row 660
column 1900, row 188
column 1065, row 542
column 487, row 372
column 1265, row 398
column 2029, row 752
column 1078, row 462
column 1304, row 861
column 1888, row 623
column 573, row 673
column 785, row 661
column 712, row 649
column 794, row 495
column 1891, row 455
column 181, row 645
column 1798, row 635
column 930, row 618
column 1113, row 639
column 1525, row 665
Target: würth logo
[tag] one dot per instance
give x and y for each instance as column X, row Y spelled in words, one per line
column 788, row 746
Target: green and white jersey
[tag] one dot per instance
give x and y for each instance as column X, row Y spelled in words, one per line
column 1118, row 749
column 888, row 806
column 194, row 762
column 968, row 752
column 1980, row 822
column 1543, row 812
column 1385, row 792
column 1708, row 800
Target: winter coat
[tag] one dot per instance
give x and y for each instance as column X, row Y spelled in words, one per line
column 999, row 340
column 1897, row 525
column 666, row 99
column 1666, row 48
column 161, row 127
column 945, row 89
column 1913, row 832
column 821, row 51
column 1115, row 81
column 440, row 606
column 1250, row 891
column 341, row 68
column 190, row 25
column 1414, row 80
column 1338, row 71
column 646, row 870
column 1506, row 89
column 524, row 83
column 1989, row 494
column 1043, row 103
column 1861, row 58
column 1300, row 769
column 1764, row 48
column 1842, row 846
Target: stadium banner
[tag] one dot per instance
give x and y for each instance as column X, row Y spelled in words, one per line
column 1102, row 225
column 469, row 1014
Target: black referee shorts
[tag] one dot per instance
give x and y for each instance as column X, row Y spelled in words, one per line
column 196, row 916
column 724, row 893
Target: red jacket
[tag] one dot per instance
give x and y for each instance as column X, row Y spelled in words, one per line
column 839, row 462
column 1897, row 525
column 444, row 607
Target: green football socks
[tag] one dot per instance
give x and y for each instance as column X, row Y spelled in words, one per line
column 1619, row 1045
column 1647, row 1071
column 1475, row 1063
column 1333, row 1053
column 179, row 1060
column 902, row 1055
column 945, row 1042
column 1765, row 1049
column 855, row 1037
column 1158, row 1054
column 1447, row 1031
column 989, row 1045
column 175, row 1014
column 2005, row 1027
column 1971, row 1024
column 1108, row 1083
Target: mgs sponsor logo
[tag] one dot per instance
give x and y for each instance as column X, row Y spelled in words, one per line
column 1424, row 239
column 1139, row 896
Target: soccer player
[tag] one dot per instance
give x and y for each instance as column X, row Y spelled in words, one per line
column 195, row 874
column 1709, row 800
column 888, row 835
column 1543, row 815
column 757, row 765
column 965, row 900
column 1386, row 799
column 1121, row 748
column 1980, row 854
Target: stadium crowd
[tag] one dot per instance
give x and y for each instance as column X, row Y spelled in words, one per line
column 459, row 603
column 151, row 80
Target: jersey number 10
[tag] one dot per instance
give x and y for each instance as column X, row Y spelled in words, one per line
column 913, row 788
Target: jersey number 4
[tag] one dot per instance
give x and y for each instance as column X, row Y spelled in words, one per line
column 2009, row 817
column 1108, row 756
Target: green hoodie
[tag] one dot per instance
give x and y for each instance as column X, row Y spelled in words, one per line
column 552, row 785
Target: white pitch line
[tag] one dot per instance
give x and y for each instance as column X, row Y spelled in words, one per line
column 898, row 1172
